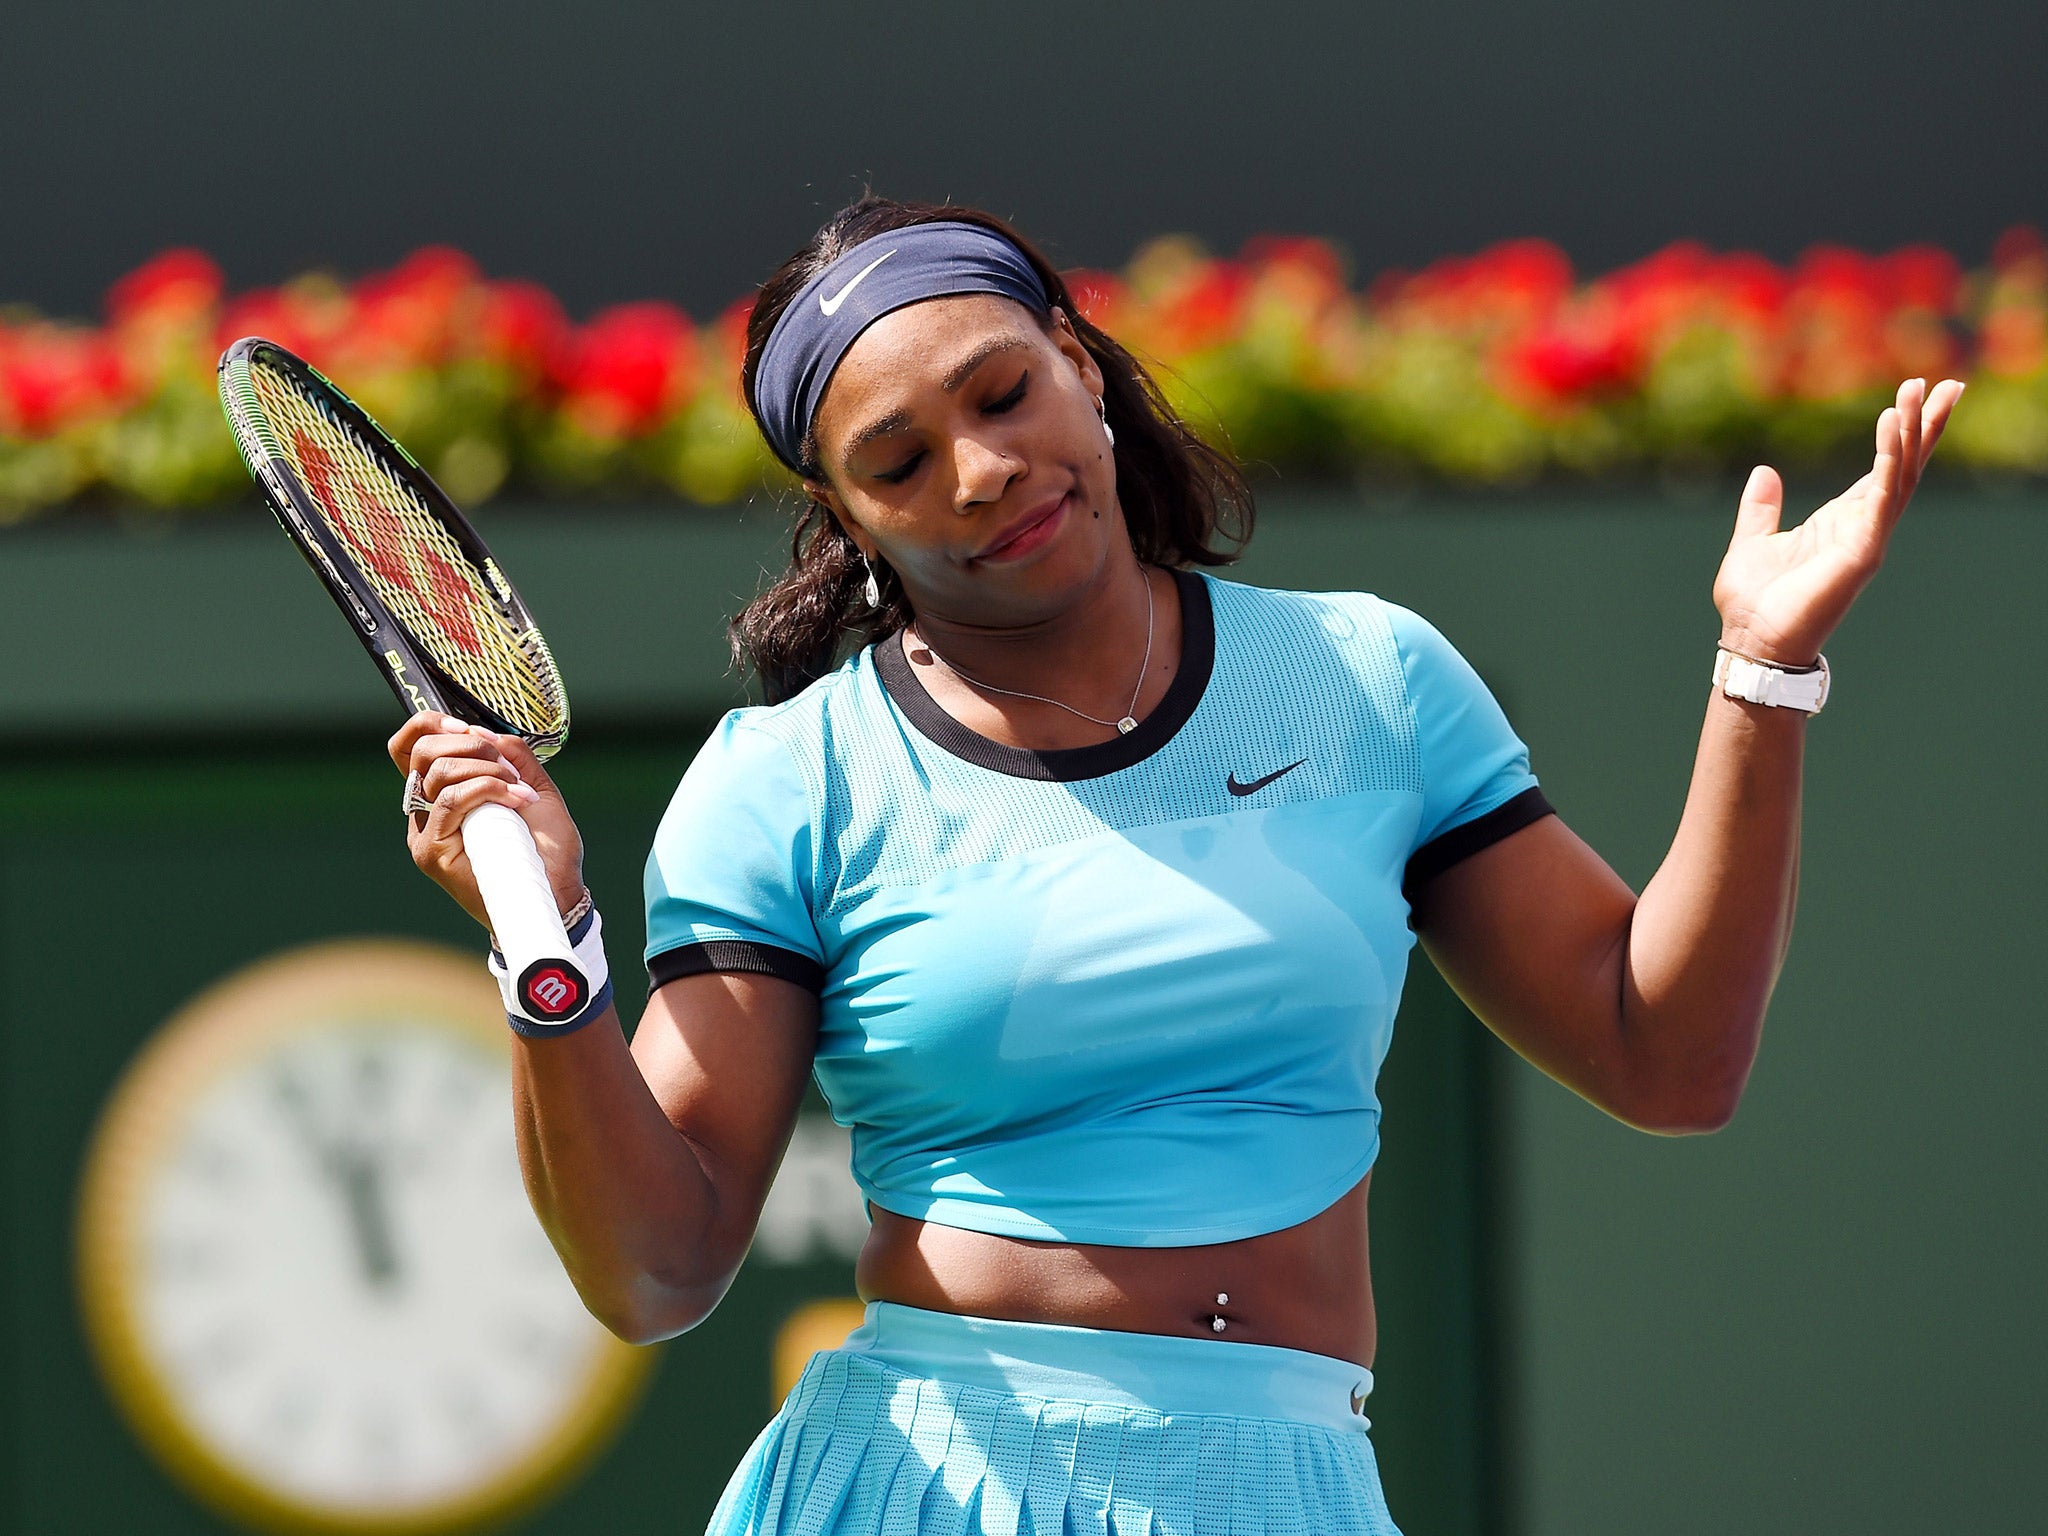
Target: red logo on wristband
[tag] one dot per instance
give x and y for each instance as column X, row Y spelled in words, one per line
column 553, row 992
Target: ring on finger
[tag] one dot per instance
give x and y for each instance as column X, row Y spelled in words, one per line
column 414, row 800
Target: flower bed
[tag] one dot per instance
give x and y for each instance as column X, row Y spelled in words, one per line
column 1490, row 369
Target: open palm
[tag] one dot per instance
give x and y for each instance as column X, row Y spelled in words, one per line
column 1781, row 593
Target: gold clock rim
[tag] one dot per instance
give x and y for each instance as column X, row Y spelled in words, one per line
column 233, row 1019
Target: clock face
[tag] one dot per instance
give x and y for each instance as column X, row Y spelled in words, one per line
column 309, row 1263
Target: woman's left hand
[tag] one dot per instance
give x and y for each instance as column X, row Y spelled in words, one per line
column 1781, row 594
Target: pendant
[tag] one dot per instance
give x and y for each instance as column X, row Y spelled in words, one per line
column 1126, row 725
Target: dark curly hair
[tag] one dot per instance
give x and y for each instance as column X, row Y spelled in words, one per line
column 1184, row 501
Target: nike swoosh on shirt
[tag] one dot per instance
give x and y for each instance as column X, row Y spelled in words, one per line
column 831, row 306
column 1256, row 785
column 1357, row 1401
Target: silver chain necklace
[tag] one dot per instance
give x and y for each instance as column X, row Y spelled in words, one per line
column 1125, row 726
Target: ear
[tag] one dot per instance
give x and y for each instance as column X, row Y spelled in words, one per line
column 828, row 498
column 1068, row 340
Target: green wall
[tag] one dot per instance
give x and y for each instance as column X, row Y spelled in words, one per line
column 1820, row 1319
column 202, row 711
column 1826, row 1317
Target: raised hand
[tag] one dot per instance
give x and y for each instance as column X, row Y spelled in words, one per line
column 462, row 767
column 1781, row 593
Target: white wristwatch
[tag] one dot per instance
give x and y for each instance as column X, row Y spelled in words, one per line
column 1759, row 682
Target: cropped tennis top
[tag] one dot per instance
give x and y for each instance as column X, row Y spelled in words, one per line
column 1135, row 993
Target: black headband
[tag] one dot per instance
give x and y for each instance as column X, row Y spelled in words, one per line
column 874, row 278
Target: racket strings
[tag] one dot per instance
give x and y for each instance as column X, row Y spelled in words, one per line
column 416, row 566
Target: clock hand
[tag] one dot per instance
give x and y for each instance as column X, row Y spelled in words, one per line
column 362, row 1187
column 357, row 1176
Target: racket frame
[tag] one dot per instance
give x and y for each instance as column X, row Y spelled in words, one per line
column 549, row 983
column 418, row 681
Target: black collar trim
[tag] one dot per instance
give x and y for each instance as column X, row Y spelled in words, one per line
column 1063, row 765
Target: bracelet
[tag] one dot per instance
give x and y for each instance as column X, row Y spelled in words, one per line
column 586, row 938
column 570, row 918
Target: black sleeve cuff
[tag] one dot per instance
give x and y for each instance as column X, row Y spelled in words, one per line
column 1461, row 842
column 735, row 955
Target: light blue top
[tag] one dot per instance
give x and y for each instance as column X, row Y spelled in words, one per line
column 1135, row 993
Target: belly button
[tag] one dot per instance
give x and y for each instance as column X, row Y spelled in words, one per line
column 1222, row 1300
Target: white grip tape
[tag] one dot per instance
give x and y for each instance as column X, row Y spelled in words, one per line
column 587, row 934
column 547, row 984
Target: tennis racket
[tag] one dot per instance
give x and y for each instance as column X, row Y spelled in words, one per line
column 430, row 604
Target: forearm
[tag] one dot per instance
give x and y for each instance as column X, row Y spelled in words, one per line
column 620, row 1191
column 1709, row 933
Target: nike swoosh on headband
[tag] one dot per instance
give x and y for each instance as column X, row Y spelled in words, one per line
column 831, row 306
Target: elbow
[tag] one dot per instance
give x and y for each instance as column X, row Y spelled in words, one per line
column 646, row 1311
column 1699, row 1116
column 647, row 1304
column 633, row 1326
column 1685, row 1076
column 1696, row 1105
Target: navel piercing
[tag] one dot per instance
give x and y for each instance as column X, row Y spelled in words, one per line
column 1222, row 1300
column 1218, row 1324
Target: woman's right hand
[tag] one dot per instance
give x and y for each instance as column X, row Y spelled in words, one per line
column 464, row 766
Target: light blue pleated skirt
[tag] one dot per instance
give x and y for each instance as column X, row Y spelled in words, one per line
column 931, row 1424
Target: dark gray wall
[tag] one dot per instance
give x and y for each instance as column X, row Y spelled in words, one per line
column 619, row 150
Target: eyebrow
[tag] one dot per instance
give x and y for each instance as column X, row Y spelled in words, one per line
column 896, row 421
column 981, row 354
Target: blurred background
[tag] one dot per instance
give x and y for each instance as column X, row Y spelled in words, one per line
column 1500, row 303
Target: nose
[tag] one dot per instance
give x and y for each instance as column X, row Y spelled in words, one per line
column 982, row 471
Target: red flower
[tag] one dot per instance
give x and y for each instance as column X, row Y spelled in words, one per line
column 1317, row 257
column 299, row 319
column 179, row 284
column 628, row 367
column 1558, row 365
column 1838, row 273
column 522, row 326
column 1508, row 286
column 52, row 378
column 1534, row 270
column 1754, row 287
column 412, row 314
column 1206, row 311
column 1924, row 277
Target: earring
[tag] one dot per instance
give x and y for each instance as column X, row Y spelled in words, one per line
column 1102, row 410
column 873, row 590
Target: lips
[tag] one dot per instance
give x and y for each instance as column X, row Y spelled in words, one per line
column 1026, row 533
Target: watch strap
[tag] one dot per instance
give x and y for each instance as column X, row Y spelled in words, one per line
column 1762, row 682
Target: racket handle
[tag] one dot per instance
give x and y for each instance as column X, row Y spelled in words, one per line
column 547, row 982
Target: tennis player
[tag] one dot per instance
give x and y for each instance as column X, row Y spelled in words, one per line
column 1086, row 888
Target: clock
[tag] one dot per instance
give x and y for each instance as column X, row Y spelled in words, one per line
column 307, row 1265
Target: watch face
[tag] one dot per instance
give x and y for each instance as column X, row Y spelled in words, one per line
column 309, row 1263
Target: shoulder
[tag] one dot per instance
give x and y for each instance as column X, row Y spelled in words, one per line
column 1359, row 616
column 794, row 732
column 1361, row 632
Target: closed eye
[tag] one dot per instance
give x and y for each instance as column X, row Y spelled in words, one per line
column 901, row 472
column 1010, row 400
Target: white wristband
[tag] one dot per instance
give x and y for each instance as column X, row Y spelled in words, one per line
column 1758, row 682
column 586, row 936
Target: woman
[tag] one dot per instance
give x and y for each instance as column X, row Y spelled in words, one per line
column 1086, row 888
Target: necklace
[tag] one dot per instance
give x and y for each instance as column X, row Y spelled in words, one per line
column 1125, row 726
